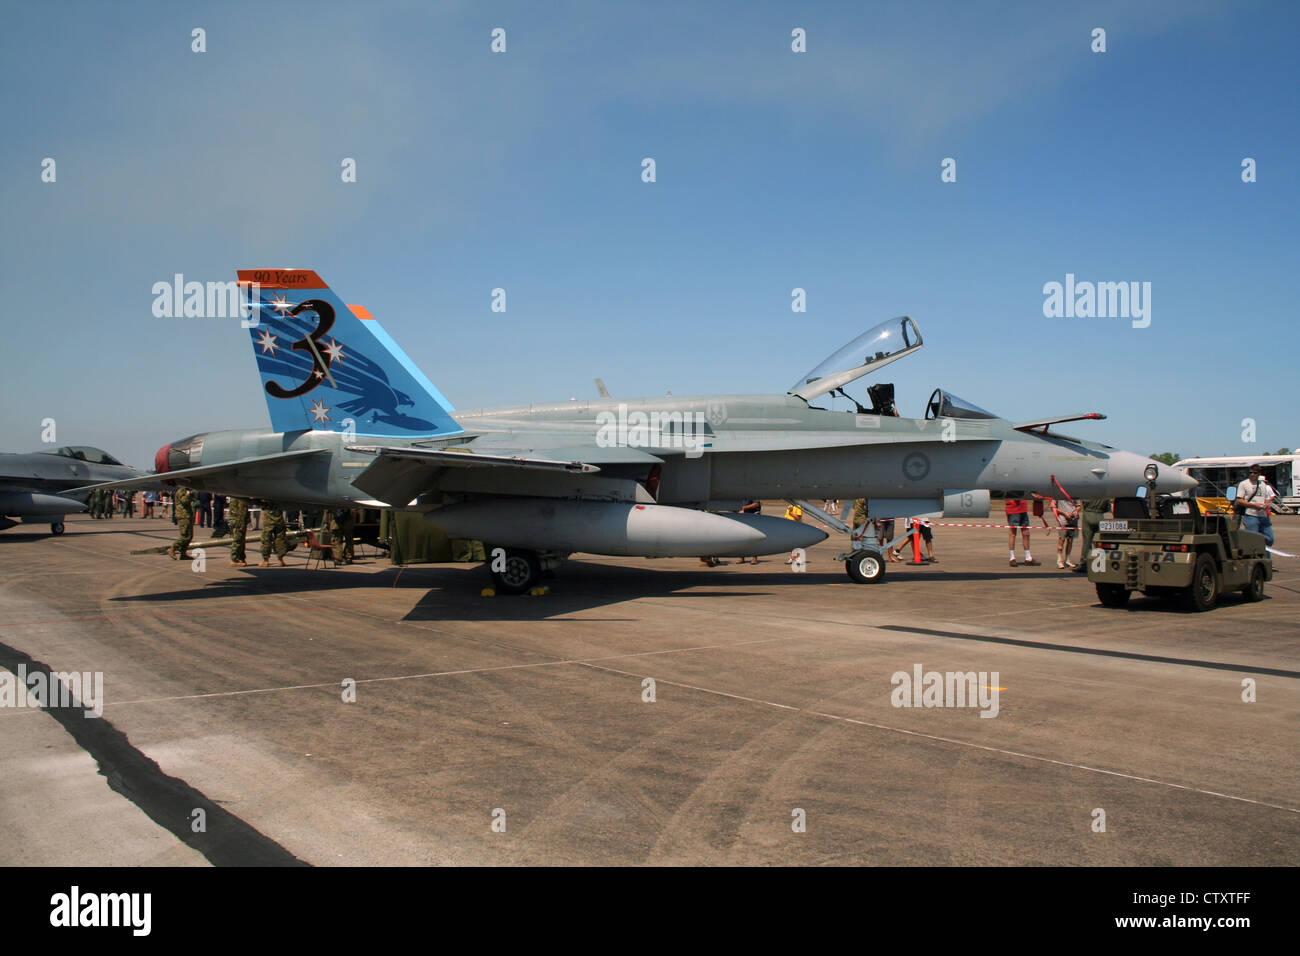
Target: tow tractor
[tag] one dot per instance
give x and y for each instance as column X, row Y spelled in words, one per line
column 1189, row 549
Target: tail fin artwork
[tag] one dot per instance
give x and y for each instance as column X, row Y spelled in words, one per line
column 325, row 364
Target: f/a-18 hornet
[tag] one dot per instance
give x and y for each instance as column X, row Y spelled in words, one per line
column 355, row 423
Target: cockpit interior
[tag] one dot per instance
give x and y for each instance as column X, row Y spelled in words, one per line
column 874, row 349
column 93, row 456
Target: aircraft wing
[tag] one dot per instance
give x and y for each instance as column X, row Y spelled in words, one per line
column 243, row 464
column 399, row 475
column 442, row 458
column 1043, row 423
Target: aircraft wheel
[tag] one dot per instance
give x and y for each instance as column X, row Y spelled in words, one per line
column 865, row 567
column 522, row 572
column 1113, row 595
column 56, row 527
column 1255, row 590
column 1203, row 593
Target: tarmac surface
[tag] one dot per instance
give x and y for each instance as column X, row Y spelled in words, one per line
column 516, row 730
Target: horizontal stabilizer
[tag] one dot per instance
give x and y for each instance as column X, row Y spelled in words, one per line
column 206, row 470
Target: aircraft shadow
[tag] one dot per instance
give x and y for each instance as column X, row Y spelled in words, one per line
column 454, row 592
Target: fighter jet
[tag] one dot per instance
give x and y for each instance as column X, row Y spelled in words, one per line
column 355, row 423
column 47, row 485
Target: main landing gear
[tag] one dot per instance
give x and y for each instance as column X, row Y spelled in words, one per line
column 518, row 571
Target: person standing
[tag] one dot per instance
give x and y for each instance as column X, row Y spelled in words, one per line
column 1068, row 512
column 1257, row 495
column 238, row 532
column 218, row 510
column 793, row 513
column 349, row 529
column 184, row 524
column 203, row 515
column 751, row 507
column 274, row 534
column 927, row 535
column 861, row 515
column 1018, row 517
column 341, row 528
column 1090, row 524
column 885, row 535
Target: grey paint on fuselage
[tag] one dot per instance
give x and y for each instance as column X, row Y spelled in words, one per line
column 760, row 446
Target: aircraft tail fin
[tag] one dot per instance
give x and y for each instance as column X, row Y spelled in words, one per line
column 325, row 364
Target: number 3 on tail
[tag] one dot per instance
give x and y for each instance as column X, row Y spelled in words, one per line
column 313, row 346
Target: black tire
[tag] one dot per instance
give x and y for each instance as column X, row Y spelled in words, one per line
column 1203, row 593
column 1113, row 595
column 865, row 567
column 56, row 527
column 522, row 572
column 1254, row 591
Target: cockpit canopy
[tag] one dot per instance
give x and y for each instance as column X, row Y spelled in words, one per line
column 93, row 456
column 946, row 405
column 873, row 349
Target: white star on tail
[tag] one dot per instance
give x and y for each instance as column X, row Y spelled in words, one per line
column 280, row 303
column 334, row 350
column 319, row 412
column 267, row 341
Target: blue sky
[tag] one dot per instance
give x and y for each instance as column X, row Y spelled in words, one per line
column 775, row 170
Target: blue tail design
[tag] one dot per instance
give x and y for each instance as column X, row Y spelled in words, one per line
column 324, row 364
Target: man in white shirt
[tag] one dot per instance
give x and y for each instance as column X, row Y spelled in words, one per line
column 1257, row 494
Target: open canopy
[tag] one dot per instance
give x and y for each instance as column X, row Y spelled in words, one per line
column 873, row 349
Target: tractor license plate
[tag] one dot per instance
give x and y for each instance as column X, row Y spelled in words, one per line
column 1114, row 526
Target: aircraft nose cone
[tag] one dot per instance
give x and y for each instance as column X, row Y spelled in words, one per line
column 1128, row 470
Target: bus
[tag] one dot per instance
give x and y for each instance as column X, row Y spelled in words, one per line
column 1215, row 476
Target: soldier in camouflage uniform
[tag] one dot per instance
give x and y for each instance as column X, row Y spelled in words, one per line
column 274, row 532
column 342, row 525
column 92, row 502
column 238, row 520
column 1089, row 523
column 860, row 514
column 467, row 549
column 184, row 523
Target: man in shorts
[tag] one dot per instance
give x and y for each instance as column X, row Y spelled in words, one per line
column 1018, row 517
column 1069, row 514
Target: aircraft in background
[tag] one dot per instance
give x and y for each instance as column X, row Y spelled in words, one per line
column 355, row 423
column 44, row 486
